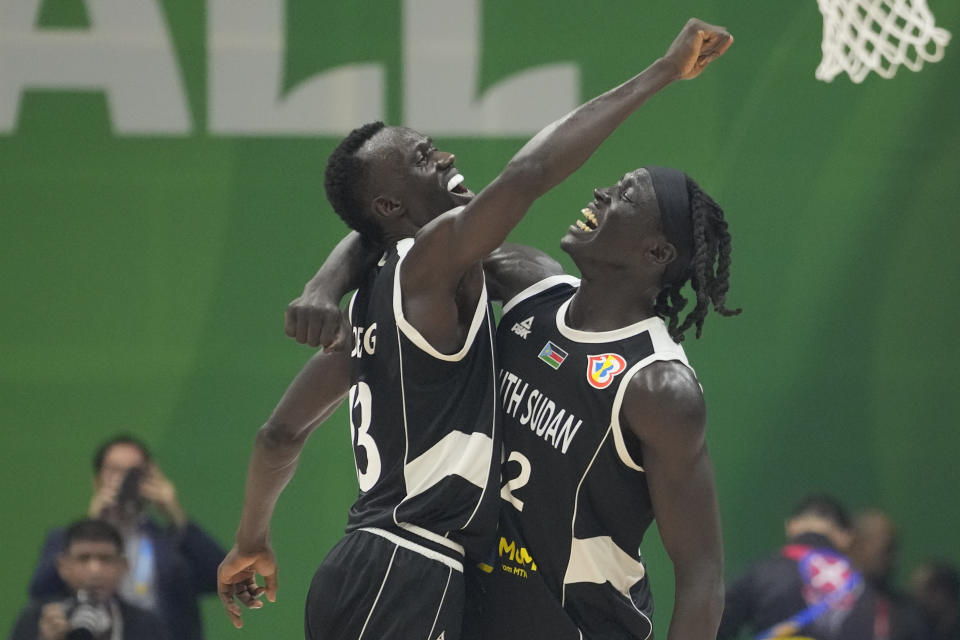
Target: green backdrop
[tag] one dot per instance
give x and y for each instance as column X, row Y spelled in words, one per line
column 145, row 275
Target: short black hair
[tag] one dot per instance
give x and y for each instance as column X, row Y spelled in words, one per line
column 708, row 271
column 123, row 438
column 824, row 506
column 344, row 178
column 93, row 530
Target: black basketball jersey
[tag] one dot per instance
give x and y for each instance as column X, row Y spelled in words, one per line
column 425, row 425
column 576, row 503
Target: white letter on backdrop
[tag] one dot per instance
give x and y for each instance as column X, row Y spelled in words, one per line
column 441, row 45
column 246, row 62
column 126, row 53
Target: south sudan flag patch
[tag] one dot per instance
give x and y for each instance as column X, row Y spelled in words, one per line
column 553, row 355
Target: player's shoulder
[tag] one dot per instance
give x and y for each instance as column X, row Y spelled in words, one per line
column 664, row 395
column 552, row 288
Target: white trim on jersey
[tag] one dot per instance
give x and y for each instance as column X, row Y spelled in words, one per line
column 350, row 307
column 602, row 336
column 436, row 538
column 403, row 246
column 539, row 287
column 464, row 454
column 573, row 519
column 664, row 350
column 416, row 548
column 491, row 331
column 598, row 560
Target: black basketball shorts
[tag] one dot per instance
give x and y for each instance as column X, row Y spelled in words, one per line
column 378, row 585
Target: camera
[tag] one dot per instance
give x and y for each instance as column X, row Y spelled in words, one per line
column 129, row 491
column 89, row 619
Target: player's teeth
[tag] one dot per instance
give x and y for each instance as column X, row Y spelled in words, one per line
column 582, row 226
column 454, row 181
column 589, row 215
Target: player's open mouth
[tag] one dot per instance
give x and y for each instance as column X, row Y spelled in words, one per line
column 590, row 222
column 457, row 189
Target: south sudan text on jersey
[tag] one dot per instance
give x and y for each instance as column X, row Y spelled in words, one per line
column 545, row 417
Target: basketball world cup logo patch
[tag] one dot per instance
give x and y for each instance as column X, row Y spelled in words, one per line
column 602, row 369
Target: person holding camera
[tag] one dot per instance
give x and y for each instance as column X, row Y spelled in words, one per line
column 170, row 564
column 92, row 566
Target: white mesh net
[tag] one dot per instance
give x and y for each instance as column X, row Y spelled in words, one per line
column 860, row 36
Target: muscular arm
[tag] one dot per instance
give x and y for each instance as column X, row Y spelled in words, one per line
column 448, row 246
column 309, row 400
column 664, row 408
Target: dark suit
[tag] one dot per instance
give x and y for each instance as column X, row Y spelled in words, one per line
column 186, row 566
column 138, row 624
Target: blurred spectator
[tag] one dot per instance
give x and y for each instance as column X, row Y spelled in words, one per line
column 936, row 588
column 875, row 553
column 808, row 588
column 169, row 565
column 91, row 565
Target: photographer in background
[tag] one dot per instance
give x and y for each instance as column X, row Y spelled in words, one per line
column 170, row 564
column 91, row 566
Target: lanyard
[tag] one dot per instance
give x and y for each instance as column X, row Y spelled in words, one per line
column 804, row 556
column 143, row 570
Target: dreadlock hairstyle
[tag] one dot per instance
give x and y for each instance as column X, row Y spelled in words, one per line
column 344, row 178
column 705, row 263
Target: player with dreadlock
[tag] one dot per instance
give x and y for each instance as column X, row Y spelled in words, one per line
column 604, row 420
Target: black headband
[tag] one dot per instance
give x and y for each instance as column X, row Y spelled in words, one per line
column 673, row 198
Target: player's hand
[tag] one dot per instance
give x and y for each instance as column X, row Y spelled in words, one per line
column 315, row 319
column 697, row 45
column 236, row 581
column 53, row 623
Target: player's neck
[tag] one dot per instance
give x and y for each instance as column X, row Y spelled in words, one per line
column 600, row 306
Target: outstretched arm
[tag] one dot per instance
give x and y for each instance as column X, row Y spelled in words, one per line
column 664, row 407
column 309, row 400
column 450, row 244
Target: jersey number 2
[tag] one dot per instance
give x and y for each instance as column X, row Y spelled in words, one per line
column 518, row 482
column 361, row 400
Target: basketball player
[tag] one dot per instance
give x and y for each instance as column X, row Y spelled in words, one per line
column 604, row 420
column 420, row 372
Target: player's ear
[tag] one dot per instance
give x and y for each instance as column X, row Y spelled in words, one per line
column 387, row 207
column 663, row 253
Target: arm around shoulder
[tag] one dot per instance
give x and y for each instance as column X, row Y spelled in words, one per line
column 313, row 318
column 511, row 268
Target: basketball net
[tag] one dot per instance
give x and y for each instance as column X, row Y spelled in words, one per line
column 860, row 36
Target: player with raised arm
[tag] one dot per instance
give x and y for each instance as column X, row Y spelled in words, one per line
column 418, row 369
